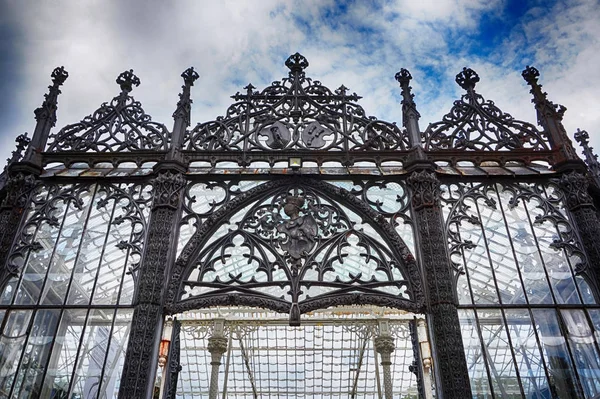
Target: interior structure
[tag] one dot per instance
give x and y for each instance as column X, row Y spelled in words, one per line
column 297, row 247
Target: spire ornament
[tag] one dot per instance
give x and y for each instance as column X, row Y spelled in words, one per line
column 126, row 80
column 296, row 62
column 410, row 115
column 467, row 79
column 549, row 115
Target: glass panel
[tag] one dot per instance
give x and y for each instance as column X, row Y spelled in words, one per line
column 9, row 290
column 556, row 263
column 114, row 263
column 35, row 269
column 500, row 251
column 12, row 342
column 497, row 348
column 65, row 252
column 475, row 358
column 527, row 354
column 562, row 376
column 595, row 316
column 90, row 360
column 115, row 356
column 64, row 354
column 35, row 358
column 584, row 350
column 90, row 252
column 477, row 262
column 525, row 248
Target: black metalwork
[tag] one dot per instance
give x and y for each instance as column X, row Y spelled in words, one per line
column 591, row 159
column 451, row 366
column 549, row 116
column 459, row 199
column 141, row 357
column 325, row 236
column 476, row 124
column 295, row 234
column 173, row 363
column 121, row 125
column 416, row 366
column 296, row 113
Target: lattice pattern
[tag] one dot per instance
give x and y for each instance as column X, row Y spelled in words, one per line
column 313, row 361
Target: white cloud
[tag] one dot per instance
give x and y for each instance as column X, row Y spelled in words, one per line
column 235, row 42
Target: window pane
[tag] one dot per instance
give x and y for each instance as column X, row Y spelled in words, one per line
column 556, row 354
column 477, row 369
column 527, row 354
column 33, row 363
column 584, row 350
column 497, row 349
column 12, row 342
column 64, row 353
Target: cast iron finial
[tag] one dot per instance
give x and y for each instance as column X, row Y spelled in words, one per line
column 59, row 75
column 341, row 91
column 582, row 137
column 22, row 142
column 403, row 77
column 531, row 75
column 190, row 76
column 126, row 80
column 249, row 89
column 296, row 62
column 467, row 79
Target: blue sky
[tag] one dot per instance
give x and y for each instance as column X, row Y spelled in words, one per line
column 358, row 43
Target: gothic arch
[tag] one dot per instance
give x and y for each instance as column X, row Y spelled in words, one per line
column 322, row 199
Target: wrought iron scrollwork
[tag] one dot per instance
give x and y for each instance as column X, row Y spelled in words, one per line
column 291, row 245
column 120, row 125
column 45, row 201
column 549, row 201
column 296, row 113
column 476, row 124
column 134, row 204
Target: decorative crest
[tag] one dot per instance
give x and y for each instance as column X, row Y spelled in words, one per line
column 403, row 77
column 121, row 125
column 59, row 75
column 474, row 123
column 296, row 62
column 126, row 80
column 467, row 79
column 295, row 113
column 190, row 76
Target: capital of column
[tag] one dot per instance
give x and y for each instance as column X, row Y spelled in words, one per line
column 425, row 189
column 217, row 346
column 574, row 186
column 167, row 188
column 18, row 187
column 384, row 345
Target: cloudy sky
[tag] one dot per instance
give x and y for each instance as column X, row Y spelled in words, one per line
column 358, row 43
